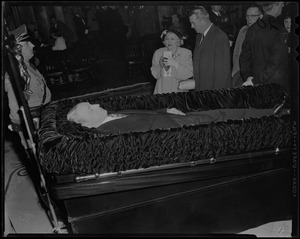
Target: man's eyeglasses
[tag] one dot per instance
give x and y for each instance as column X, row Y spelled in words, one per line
column 252, row 16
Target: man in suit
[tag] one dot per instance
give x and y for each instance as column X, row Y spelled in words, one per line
column 93, row 116
column 211, row 58
column 264, row 57
column 80, row 24
column 253, row 13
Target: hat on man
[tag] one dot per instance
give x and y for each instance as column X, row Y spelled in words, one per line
column 20, row 34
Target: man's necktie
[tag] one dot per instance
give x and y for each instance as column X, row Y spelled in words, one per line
column 202, row 38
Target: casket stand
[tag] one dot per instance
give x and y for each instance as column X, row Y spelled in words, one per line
column 222, row 177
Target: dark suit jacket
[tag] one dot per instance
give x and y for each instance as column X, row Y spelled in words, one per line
column 141, row 121
column 80, row 27
column 211, row 60
column 264, row 53
column 223, row 22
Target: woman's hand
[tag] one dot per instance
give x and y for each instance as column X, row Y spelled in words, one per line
column 161, row 63
column 170, row 62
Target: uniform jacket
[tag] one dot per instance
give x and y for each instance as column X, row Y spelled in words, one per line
column 37, row 86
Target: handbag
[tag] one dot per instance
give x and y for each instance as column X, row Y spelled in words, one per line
column 186, row 84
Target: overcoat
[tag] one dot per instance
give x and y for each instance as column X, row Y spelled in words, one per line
column 211, row 60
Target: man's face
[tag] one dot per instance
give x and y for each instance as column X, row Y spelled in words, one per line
column 92, row 114
column 196, row 23
column 216, row 8
column 287, row 24
column 175, row 19
column 27, row 50
column 278, row 6
column 252, row 15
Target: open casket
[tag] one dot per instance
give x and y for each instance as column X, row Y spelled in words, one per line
column 221, row 177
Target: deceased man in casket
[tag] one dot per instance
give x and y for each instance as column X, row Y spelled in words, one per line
column 93, row 116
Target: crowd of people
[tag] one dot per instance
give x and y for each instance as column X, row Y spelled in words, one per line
column 258, row 55
column 260, row 51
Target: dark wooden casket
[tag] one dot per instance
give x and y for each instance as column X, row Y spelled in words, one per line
column 221, row 177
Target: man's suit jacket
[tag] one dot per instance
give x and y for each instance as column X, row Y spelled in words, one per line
column 211, row 60
column 80, row 27
column 145, row 120
column 223, row 22
column 264, row 53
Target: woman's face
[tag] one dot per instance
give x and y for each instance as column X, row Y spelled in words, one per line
column 171, row 41
column 27, row 50
column 92, row 114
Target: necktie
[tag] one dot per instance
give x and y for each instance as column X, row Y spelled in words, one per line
column 201, row 39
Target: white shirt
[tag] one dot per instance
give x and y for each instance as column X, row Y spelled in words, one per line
column 113, row 117
column 60, row 44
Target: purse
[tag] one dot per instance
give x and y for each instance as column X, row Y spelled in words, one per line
column 186, row 84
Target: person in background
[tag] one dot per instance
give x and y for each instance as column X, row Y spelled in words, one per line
column 65, row 31
column 146, row 21
column 211, row 57
column 113, row 31
column 177, row 23
column 33, row 34
column 169, row 71
column 34, row 38
column 221, row 19
column 92, row 25
column 287, row 22
column 253, row 13
column 82, row 30
column 36, row 90
column 60, row 43
column 264, row 56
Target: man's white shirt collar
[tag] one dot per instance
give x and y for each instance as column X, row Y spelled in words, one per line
column 217, row 13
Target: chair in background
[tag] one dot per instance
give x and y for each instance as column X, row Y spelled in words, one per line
column 151, row 42
column 54, row 68
column 81, row 60
column 135, row 56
